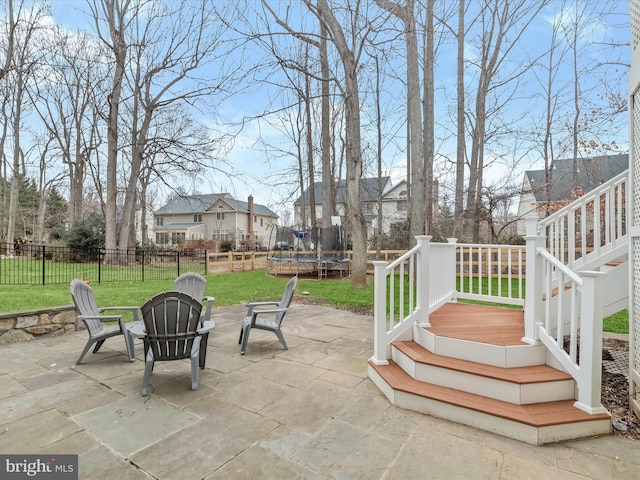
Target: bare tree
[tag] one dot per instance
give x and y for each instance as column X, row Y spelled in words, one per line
column 111, row 19
column 458, row 218
column 170, row 46
column 350, row 56
column 417, row 196
column 503, row 23
column 67, row 97
column 23, row 63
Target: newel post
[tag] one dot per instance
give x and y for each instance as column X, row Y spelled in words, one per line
column 379, row 313
column 423, row 287
column 533, row 308
column 590, row 384
column 452, row 268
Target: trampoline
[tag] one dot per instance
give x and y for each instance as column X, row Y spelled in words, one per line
column 311, row 252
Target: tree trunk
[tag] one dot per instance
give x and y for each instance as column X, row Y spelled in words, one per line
column 429, row 119
column 327, row 176
column 115, row 12
column 460, row 141
column 353, row 148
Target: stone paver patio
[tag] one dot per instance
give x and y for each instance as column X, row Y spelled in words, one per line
column 307, row 412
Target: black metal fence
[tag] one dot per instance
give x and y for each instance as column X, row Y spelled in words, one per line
column 42, row 264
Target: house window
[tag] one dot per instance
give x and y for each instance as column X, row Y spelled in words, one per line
column 262, row 222
column 162, row 238
column 159, row 221
column 367, row 209
column 197, row 218
column 220, row 235
column 220, row 216
column 255, row 219
column 401, row 206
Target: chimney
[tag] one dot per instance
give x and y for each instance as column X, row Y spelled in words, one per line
column 250, row 223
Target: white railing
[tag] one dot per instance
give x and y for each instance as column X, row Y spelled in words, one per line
column 561, row 305
column 591, row 228
column 425, row 278
column 401, row 289
column 491, row 273
column 570, row 320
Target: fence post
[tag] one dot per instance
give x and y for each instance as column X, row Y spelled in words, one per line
column 534, row 270
column 590, row 384
column 99, row 252
column 44, row 263
column 379, row 313
column 206, row 262
column 178, row 262
column 143, row 265
column 423, row 289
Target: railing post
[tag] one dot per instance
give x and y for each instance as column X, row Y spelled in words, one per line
column 423, row 288
column 454, row 295
column 590, row 384
column 379, row 313
column 534, row 274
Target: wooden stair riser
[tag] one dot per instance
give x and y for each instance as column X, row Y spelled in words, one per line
column 470, row 412
column 508, row 391
column 495, row 355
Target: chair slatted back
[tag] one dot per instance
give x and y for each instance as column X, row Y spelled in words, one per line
column 192, row 284
column 171, row 320
column 85, row 303
column 287, row 296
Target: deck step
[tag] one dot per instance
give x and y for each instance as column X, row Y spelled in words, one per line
column 535, row 423
column 519, row 385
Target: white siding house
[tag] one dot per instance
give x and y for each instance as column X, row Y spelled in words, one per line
column 214, row 218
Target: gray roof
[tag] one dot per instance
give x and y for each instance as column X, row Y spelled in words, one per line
column 189, row 204
column 200, row 204
column 591, row 172
column 370, row 190
column 239, row 205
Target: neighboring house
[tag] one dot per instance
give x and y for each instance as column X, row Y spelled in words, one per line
column 394, row 203
column 215, row 217
column 591, row 172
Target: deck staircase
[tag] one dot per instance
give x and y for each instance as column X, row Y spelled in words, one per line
column 504, row 386
column 476, row 364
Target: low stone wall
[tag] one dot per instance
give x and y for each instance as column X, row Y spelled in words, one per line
column 23, row 326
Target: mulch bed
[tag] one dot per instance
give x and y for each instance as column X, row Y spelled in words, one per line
column 615, row 394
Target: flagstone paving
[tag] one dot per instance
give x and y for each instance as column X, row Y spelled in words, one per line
column 307, row 412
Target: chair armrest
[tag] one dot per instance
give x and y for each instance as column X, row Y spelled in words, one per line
column 207, row 312
column 251, row 305
column 134, row 310
column 102, row 318
column 206, row 327
column 137, row 329
column 254, row 314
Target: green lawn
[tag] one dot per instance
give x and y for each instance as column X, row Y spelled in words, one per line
column 228, row 289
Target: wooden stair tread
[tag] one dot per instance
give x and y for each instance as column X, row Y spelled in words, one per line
column 484, row 324
column 536, row 415
column 518, row 375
